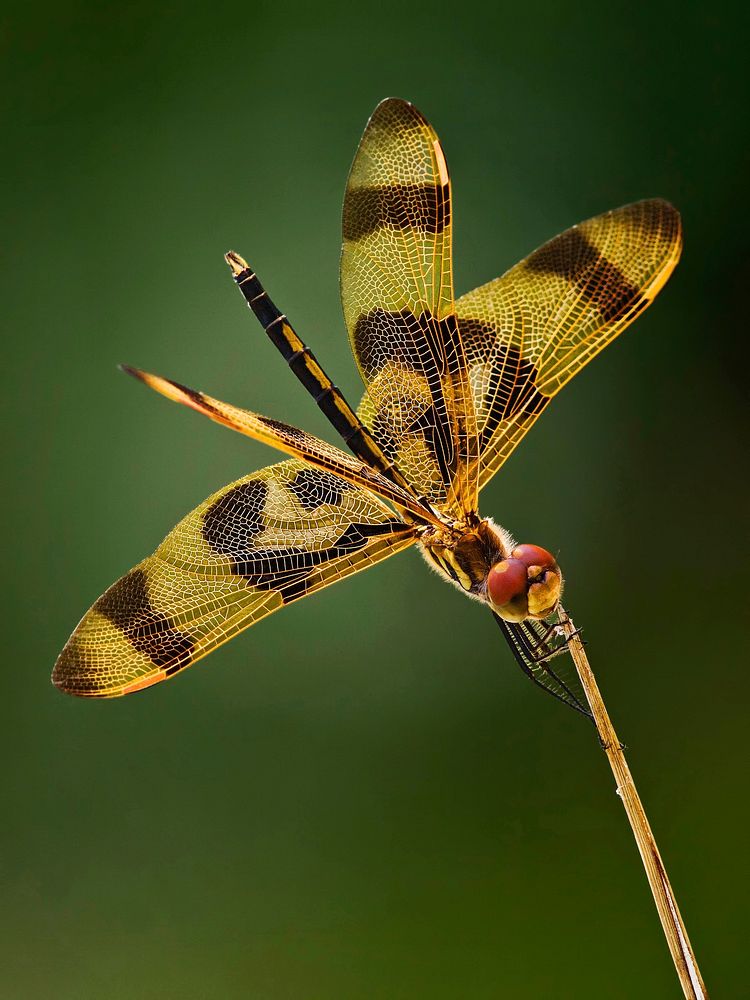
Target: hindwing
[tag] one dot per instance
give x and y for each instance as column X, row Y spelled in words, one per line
column 252, row 548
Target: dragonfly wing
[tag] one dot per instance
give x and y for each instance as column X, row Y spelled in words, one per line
column 286, row 438
column 252, row 548
column 529, row 332
column 397, row 296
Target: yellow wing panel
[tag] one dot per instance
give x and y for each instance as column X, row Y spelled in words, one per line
column 529, row 332
column 255, row 546
column 397, row 296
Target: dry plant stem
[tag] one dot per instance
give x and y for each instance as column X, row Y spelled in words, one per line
column 666, row 904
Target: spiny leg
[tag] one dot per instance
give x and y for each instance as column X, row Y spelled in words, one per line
column 529, row 643
column 541, row 650
column 306, row 367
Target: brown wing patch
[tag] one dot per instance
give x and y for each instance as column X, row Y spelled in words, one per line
column 314, row 487
column 128, row 607
column 235, row 520
column 422, row 207
column 600, row 283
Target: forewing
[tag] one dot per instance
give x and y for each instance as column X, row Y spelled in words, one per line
column 529, row 332
column 254, row 547
column 397, row 295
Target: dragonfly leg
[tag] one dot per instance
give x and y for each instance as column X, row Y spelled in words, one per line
column 534, row 644
column 559, row 631
column 543, row 651
column 608, row 746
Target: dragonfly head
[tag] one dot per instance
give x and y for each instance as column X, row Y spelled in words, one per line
column 525, row 585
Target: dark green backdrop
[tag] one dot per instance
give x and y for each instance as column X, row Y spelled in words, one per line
column 363, row 797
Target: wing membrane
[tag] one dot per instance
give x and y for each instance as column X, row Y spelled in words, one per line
column 286, row 438
column 252, row 548
column 397, row 295
column 529, row 332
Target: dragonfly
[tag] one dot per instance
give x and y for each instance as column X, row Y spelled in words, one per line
column 451, row 388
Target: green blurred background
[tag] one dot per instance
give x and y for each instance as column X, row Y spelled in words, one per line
column 363, row 797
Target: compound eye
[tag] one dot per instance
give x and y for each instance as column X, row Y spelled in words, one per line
column 526, row 585
column 534, row 555
column 506, row 586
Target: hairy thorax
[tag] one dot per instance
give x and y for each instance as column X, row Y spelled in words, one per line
column 482, row 560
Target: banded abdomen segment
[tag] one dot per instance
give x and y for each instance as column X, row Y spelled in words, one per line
column 529, row 332
column 303, row 363
column 397, row 296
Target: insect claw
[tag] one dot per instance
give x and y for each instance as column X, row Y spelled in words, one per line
column 608, row 746
column 562, row 634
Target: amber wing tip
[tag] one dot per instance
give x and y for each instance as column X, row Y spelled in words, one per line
column 61, row 680
column 400, row 107
column 72, row 678
column 237, row 263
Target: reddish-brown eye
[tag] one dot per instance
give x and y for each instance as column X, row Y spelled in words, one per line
column 506, row 580
column 534, row 555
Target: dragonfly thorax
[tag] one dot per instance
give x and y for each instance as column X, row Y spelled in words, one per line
column 517, row 581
